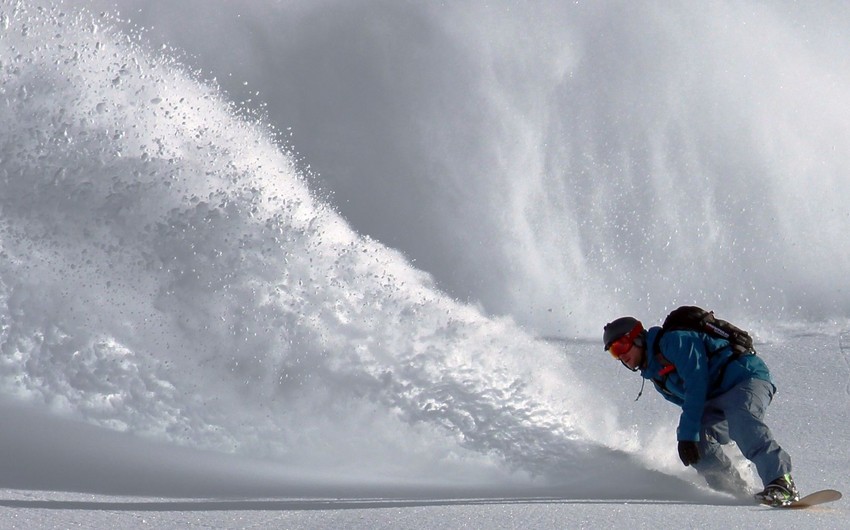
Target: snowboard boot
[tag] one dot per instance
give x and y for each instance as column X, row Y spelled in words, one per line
column 780, row 492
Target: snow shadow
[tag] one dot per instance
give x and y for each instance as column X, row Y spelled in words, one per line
column 45, row 452
column 311, row 505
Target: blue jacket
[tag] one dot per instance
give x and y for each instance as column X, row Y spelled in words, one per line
column 696, row 377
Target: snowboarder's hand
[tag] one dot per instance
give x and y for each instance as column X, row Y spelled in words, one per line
column 688, row 452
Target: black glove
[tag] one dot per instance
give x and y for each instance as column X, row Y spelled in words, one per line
column 688, row 452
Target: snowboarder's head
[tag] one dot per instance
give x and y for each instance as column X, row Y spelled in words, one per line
column 625, row 340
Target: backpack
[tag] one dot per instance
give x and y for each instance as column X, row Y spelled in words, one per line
column 694, row 318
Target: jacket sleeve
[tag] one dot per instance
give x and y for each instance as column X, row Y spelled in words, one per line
column 687, row 352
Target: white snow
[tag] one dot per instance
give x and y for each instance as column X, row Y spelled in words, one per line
column 47, row 459
column 189, row 337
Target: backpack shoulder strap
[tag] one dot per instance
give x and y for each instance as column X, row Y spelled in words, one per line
column 656, row 344
column 667, row 366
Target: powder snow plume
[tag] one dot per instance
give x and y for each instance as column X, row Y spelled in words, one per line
column 167, row 273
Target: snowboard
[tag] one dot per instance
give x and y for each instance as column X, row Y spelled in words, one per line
column 813, row 499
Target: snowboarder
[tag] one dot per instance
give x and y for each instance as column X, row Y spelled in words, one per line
column 723, row 398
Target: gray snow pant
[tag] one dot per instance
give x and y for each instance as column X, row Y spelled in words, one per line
column 738, row 415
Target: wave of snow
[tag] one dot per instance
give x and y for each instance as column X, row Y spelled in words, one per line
column 167, row 273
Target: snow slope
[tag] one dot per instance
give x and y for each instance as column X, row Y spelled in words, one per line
column 186, row 319
column 241, row 494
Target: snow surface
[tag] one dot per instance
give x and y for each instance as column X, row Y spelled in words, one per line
column 194, row 334
column 187, row 488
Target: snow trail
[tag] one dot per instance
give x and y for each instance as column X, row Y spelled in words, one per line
column 167, row 273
